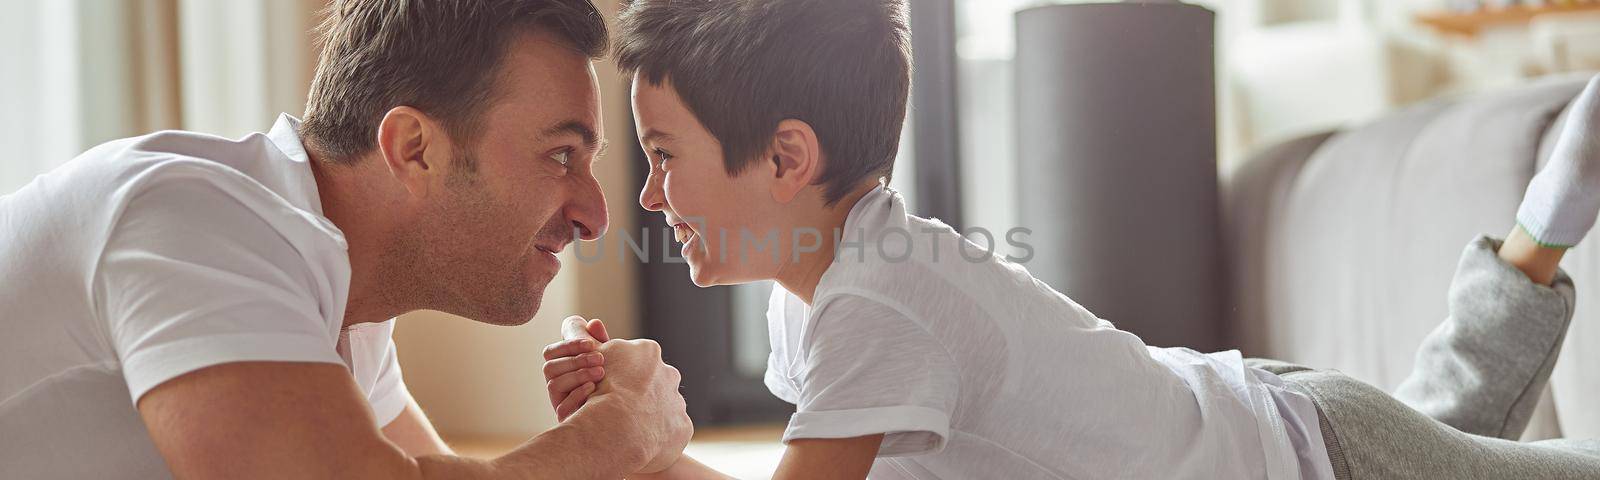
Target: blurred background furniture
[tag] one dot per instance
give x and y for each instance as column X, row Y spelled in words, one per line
column 1117, row 166
column 1298, row 66
column 1343, row 244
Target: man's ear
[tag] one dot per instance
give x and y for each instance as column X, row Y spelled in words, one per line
column 797, row 157
column 409, row 143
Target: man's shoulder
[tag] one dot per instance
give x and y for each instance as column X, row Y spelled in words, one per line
column 172, row 175
column 212, row 196
column 184, row 144
column 161, row 147
column 188, row 173
column 119, row 168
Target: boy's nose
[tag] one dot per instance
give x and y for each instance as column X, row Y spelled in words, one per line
column 651, row 197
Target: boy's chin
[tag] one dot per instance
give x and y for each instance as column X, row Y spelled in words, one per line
column 712, row 275
column 700, row 275
column 700, row 280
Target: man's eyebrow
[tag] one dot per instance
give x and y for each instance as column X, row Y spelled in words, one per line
column 582, row 130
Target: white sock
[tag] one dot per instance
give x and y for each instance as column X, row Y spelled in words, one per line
column 1564, row 198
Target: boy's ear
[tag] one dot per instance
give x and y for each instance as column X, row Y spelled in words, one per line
column 797, row 156
column 414, row 148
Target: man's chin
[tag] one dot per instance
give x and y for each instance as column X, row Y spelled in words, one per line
column 508, row 319
column 511, row 322
column 509, row 314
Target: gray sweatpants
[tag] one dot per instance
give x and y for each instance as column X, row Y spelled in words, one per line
column 1476, row 381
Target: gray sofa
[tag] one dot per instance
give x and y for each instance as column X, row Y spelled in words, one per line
column 1342, row 244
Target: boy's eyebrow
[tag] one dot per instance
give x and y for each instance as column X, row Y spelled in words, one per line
column 584, row 131
column 652, row 135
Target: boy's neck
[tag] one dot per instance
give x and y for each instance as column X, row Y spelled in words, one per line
column 801, row 277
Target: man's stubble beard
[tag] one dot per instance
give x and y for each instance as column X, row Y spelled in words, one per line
column 435, row 269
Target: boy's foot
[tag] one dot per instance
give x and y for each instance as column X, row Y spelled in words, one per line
column 1564, row 198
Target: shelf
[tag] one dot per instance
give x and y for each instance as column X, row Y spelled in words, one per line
column 1469, row 23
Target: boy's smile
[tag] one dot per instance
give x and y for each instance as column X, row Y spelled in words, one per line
column 683, row 232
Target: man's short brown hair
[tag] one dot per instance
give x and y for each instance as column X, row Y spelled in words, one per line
column 439, row 56
column 742, row 66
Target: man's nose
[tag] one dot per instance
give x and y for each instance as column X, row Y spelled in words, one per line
column 587, row 211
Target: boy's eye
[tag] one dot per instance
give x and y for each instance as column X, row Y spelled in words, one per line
column 661, row 154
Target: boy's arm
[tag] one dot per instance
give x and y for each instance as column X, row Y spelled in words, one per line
column 685, row 469
column 842, row 458
column 831, row 459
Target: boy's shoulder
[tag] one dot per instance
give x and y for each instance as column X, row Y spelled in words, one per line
column 907, row 260
column 912, row 261
column 914, row 248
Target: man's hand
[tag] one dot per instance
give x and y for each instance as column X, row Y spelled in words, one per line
column 573, row 367
column 633, row 374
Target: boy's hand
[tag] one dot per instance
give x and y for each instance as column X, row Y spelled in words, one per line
column 573, row 367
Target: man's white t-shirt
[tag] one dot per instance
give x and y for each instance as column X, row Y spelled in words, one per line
column 150, row 257
column 974, row 369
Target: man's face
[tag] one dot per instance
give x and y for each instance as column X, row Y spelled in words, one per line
column 710, row 211
column 493, row 235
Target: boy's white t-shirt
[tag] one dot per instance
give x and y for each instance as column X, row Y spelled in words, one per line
column 150, row 257
column 974, row 369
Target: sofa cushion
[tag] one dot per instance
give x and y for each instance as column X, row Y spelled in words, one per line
column 1343, row 245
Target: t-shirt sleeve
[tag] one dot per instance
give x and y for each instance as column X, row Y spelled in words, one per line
column 778, row 313
column 389, row 395
column 192, row 277
column 871, row 369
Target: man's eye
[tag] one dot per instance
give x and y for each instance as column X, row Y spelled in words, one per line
column 561, row 157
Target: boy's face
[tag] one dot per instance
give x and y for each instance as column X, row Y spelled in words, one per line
column 729, row 225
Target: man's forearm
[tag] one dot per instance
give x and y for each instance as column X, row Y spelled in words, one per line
column 589, row 445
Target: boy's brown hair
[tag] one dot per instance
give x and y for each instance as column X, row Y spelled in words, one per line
column 742, row 66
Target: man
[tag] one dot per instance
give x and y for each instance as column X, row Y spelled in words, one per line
column 190, row 306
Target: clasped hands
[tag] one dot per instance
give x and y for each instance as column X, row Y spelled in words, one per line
column 640, row 392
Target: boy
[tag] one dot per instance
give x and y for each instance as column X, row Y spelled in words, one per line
column 907, row 358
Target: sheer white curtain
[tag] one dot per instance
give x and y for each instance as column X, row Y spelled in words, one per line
column 80, row 72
